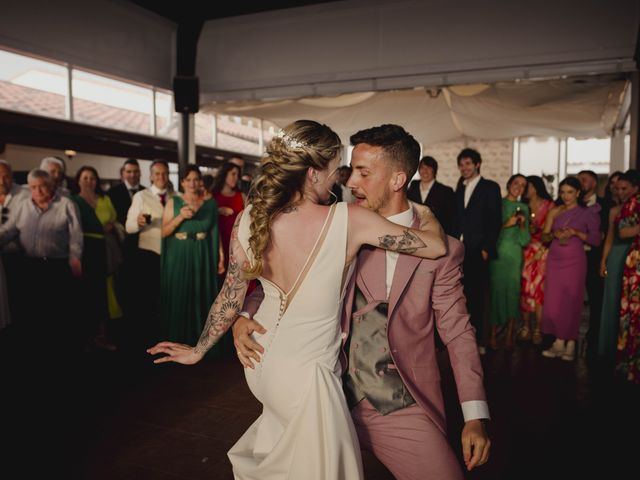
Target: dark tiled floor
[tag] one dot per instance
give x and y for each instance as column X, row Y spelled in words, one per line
column 117, row 416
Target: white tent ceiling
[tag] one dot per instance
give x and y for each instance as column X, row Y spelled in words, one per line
column 577, row 107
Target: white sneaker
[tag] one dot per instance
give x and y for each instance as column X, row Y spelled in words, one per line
column 556, row 350
column 570, row 351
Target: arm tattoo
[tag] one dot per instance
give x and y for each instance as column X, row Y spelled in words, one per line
column 406, row 243
column 227, row 305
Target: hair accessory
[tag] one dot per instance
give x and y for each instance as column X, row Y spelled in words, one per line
column 289, row 141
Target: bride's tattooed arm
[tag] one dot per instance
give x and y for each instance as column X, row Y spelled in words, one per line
column 229, row 301
column 408, row 242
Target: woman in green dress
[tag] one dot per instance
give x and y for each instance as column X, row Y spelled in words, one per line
column 506, row 269
column 614, row 255
column 190, row 260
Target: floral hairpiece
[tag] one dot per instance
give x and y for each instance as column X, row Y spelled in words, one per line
column 289, row 141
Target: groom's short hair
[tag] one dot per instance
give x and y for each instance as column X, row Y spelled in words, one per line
column 398, row 145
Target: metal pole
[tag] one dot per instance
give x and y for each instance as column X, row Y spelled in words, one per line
column 69, row 103
column 634, row 143
column 186, row 142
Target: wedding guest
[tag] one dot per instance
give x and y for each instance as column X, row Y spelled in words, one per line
column 437, row 196
column 477, row 224
column 49, row 231
column 505, row 270
column 594, row 282
column 612, row 264
column 11, row 195
column 57, row 169
column 98, row 217
column 191, row 257
column 568, row 227
column 628, row 348
column 144, row 219
column 535, row 260
column 231, row 201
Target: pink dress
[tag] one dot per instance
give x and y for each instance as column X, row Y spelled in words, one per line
column 566, row 272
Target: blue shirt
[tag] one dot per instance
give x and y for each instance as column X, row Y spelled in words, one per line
column 52, row 233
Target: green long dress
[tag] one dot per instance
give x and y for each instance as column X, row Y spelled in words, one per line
column 505, row 271
column 610, row 317
column 188, row 274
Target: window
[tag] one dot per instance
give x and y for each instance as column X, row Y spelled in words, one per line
column 109, row 103
column 33, row 86
column 166, row 117
column 589, row 154
column 238, row 134
column 540, row 156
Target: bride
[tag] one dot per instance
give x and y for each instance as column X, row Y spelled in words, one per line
column 301, row 251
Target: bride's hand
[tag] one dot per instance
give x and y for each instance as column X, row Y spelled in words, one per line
column 176, row 352
column 424, row 213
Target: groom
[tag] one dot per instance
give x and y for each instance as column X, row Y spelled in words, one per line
column 393, row 303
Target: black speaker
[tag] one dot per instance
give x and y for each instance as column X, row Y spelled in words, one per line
column 186, row 94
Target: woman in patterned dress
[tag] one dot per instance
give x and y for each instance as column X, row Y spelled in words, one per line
column 535, row 259
column 628, row 354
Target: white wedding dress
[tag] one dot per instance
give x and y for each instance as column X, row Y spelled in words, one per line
column 305, row 431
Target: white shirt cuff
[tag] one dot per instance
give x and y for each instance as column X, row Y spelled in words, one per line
column 475, row 409
column 245, row 314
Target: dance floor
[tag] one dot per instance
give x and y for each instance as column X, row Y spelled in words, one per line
column 117, row 416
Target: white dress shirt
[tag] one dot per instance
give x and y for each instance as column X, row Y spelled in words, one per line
column 473, row 409
column 147, row 201
column 470, row 186
column 425, row 193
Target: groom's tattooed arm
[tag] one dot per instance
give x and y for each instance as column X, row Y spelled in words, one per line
column 229, row 301
column 408, row 242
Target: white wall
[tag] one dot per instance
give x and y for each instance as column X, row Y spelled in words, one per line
column 111, row 36
column 361, row 45
column 497, row 160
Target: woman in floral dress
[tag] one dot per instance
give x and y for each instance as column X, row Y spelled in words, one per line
column 628, row 354
column 535, row 258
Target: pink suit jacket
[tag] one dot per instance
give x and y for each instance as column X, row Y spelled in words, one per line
column 425, row 294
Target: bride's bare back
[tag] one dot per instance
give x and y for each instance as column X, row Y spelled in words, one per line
column 294, row 234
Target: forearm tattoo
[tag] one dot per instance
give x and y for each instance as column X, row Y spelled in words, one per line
column 227, row 305
column 406, row 243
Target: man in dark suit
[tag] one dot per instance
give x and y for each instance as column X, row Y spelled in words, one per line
column 478, row 222
column 121, row 196
column 594, row 282
column 437, row 196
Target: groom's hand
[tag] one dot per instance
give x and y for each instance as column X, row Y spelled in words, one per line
column 475, row 444
column 246, row 348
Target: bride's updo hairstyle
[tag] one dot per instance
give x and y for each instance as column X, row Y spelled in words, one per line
column 283, row 170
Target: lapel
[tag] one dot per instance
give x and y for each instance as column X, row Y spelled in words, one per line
column 371, row 275
column 405, row 267
column 460, row 196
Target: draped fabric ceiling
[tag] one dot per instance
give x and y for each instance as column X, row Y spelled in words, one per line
column 578, row 107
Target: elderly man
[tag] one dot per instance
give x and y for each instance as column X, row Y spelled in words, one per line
column 48, row 229
column 11, row 195
column 145, row 218
column 57, row 170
